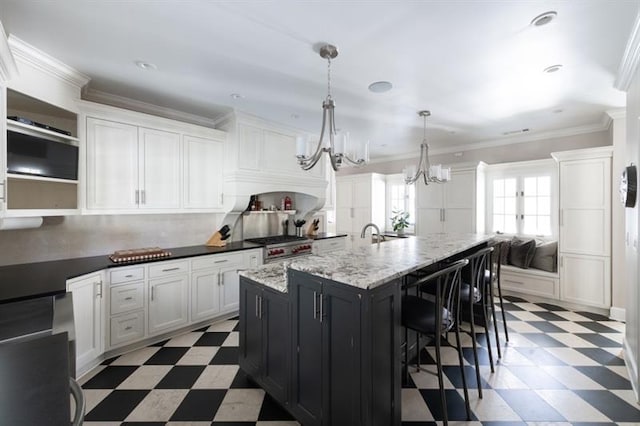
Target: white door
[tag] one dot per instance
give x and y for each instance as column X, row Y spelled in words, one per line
column 229, row 289
column 112, row 165
column 205, row 294
column 160, row 169
column 585, row 198
column 168, row 300
column 344, row 205
column 429, row 208
column 203, row 172
column 87, row 315
column 586, row 280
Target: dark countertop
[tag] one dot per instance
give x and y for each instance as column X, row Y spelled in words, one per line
column 326, row 235
column 29, row 280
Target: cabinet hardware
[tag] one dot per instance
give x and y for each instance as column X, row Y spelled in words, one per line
column 152, row 287
column 257, row 306
column 315, row 305
column 128, row 298
column 99, row 289
column 128, row 328
column 221, row 198
column 4, row 190
column 522, row 216
column 137, row 197
column 562, row 261
column 221, row 275
column 260, row 307
column 129, row 276
column 221, row 261
column 144, row 196
column 444, row 215
column 321, row 307
column 171, row 269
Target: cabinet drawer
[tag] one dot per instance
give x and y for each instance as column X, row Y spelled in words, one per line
column 217, row 261
column 127, row 297
column 168, row 268
column 127, row 328
column 326, row 246
column 530, row 284
column 123, row 275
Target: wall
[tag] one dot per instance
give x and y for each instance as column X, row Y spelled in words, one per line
column 632, row 335
column 534, row 150
column 79, row 236
column 618, row 272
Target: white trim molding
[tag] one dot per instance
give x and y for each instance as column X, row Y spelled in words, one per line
column 617, row 314
column 630, row 59
column 24, row 52
column 8, row 67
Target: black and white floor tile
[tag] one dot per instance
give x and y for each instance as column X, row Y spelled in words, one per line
column 559, row 367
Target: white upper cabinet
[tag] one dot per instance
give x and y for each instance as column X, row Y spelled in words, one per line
column 279, row 154
column 203, row 165
column 250, row 150
column 159, row 159
column 135, row 163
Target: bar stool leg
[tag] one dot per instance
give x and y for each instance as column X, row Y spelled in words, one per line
column 475, row 346
column 464, row 378
column 492, row 306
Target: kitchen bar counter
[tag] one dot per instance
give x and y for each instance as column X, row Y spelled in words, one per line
column 29, row 280
column 369, row 266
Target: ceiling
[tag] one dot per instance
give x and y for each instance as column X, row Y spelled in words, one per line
column 477, row 65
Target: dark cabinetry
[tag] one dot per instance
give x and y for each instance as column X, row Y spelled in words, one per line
column 265, row 326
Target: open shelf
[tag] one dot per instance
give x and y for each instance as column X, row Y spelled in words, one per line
column 16, row 125
column 40, row 178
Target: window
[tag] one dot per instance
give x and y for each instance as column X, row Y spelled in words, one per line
column 521, row 199
column 400, row 196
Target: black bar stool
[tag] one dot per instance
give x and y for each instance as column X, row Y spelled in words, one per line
column 434, row 318
column 492, row 281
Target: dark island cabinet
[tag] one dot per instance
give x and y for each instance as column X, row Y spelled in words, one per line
column 327, row 351
column 265, row 325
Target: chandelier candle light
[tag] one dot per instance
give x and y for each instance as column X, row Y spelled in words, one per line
column 431, row 174
column 337, row 140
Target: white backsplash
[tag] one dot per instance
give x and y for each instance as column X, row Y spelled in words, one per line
column 80, row 236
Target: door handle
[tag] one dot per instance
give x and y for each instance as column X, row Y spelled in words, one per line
column 260, row 307
column 315, row 305
column 171, row 269
column 152, row 288
column 257, row 306
column 99, row 289
column 321, row 307
column 137, row 196
column 144, row 196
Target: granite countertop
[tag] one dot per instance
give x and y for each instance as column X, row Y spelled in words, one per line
column 369, row 266
column 30, row 280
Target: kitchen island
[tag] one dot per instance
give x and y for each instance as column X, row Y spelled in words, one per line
column 322, row 334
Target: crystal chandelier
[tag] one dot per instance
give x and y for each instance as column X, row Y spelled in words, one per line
column 430, row 174
column 337, row 140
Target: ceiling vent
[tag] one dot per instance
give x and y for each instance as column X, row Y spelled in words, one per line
column 515, row 132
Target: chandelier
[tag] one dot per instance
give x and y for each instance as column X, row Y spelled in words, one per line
column 430, row 174
column 337, row 140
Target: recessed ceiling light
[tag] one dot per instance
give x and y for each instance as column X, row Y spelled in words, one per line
column 558, row 111
column 236, row 96
column 380, row 86
column 552, row 68
column 544, row 18
column 146, row 65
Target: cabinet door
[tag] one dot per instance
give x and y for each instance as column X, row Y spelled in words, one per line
column 279, row 154
column 344, row 205
column 250, row 141
column 429, row 208
column 341, row 355
column 203, row 172
column 160, row 169
column 250, row 325
column 205, row 294
column 168, row 300
column 229, row 289
column 112, row 165
column 459, row 220
column 429, row 221
column 460, row 191
column 307, row 370
column 586, row 280
column 87, row 313
column 276, row 328
column 585, row 203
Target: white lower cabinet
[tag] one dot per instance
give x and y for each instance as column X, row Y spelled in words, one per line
column 586, row 280
column 127, row 328
column 168, row 303
column 329, row 244
column 88, row 306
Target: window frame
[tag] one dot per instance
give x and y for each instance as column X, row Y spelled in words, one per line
column 520, row 171
column 398, row 179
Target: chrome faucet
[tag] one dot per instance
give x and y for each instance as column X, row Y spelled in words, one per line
column 378, row 234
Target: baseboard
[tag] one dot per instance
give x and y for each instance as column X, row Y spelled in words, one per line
column 617, row 314
column 630, row 360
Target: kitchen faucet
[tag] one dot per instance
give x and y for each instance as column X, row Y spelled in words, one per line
column 374, row 226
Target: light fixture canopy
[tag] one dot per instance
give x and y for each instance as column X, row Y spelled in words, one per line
column 337, row 140
column 430, row 174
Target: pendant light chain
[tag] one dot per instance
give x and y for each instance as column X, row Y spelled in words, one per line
column 329, row 78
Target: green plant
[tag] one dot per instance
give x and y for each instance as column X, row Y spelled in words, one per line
column 400, row 220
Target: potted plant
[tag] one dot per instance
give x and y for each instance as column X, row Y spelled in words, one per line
column 400, row 221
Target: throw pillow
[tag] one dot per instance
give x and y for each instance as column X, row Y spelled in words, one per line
column 521, row 252
column 545, row 256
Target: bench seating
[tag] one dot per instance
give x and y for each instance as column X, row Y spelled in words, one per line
column 530, row 281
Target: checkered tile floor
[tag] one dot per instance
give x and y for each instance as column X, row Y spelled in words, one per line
column 559, row 367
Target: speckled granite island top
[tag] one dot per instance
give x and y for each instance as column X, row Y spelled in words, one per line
column 368, row 266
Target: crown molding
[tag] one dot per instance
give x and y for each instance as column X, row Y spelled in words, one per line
column 99, row 96
column 8, row 68
column 616, row 114
column 512, row 140
column 43, row 62
column 629, row 63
